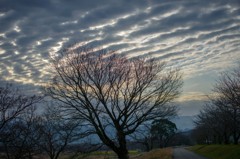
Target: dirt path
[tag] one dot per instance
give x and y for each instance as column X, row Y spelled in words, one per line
column 181, row 153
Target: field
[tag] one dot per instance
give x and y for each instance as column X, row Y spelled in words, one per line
column 218, row 151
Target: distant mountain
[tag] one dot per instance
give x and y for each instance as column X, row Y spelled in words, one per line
column 184, row 123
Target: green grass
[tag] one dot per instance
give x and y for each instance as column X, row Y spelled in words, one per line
column 217, row 151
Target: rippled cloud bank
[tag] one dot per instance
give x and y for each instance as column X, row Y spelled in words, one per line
column 200, row 37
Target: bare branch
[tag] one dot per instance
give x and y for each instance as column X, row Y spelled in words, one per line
column 110, row 91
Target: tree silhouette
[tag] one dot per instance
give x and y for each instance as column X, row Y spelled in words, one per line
column 222, row 114
column 162, row 130
column 13, row 103
column 114, row 95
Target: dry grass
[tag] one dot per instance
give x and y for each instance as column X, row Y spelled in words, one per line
column 100, row 155
column 154, row 154
column 165, row 153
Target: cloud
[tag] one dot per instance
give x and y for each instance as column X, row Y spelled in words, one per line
column 191, row 35
column 193, row 96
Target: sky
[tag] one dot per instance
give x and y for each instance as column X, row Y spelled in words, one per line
column 201, row 37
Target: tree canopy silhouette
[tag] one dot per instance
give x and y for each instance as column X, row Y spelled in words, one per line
column 113, row 94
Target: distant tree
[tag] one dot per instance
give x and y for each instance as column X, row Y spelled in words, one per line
column 29, row 134
column 16, row 110
column 55, row 132
column 182, row 138
column 162, row 130
column 18, row 136
column 202, row 134
column 215, row 119
column 113, row 94
column 143, row 136
column 148, row 134
column 227, row 90
column 222, row 113
column 13, row 103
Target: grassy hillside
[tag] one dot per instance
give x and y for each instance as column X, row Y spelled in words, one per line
column 218, row 151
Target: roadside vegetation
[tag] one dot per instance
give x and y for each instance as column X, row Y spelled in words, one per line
column 217, row 151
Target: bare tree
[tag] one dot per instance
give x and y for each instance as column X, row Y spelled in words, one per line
column 227, row 91
column 19, row 137
column 29, row 134
column 56, row 132
column 13, row 103
column 222, row 113
column 228, row 87
column 213, row 123
column 15, row 108
column 113, row 94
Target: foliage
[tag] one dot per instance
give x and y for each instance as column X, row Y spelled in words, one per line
column 162, row 130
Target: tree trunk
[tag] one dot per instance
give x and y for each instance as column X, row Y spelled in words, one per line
column 235, row 134
column 151, row 143
column 146, row 143
column 122, row 151
column 123, row 154
column 220, row 140
column 30, row 155
column 226, row 138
